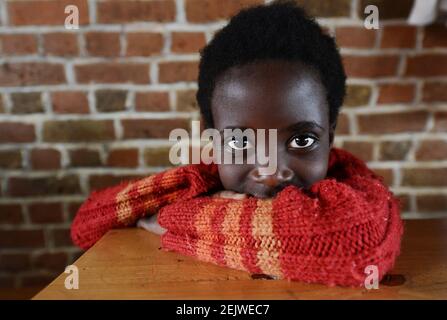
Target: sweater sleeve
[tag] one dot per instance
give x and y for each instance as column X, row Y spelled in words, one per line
column 122, row 205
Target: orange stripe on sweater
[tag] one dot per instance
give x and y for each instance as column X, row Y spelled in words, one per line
column 126, row 208
column 170, row 179
column 154, row 191
column 248, row 251
column 262, row 231
column 153, row 201
column 204, row 230
column 217, row 252
column 230, row 229
column 123, row 205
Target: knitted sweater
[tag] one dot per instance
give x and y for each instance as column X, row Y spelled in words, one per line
column 328, row 234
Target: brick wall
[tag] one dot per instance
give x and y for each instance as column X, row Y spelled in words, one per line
column 84, row 109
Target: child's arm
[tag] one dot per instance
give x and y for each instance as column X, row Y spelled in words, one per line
column 150, row 223
column 123, row 205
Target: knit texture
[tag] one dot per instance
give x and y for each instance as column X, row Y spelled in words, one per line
column 328, row 234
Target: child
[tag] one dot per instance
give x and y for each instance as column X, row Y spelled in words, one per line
column 323, row 216
column 272, row 67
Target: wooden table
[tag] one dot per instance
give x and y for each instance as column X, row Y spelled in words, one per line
column 128, row 264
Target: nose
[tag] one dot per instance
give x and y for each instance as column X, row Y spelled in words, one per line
column 281, row 176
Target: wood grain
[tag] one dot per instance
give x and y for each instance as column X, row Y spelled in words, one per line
column 128, row 264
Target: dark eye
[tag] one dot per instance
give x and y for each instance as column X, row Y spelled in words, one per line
column 239, row 144
column 301, row 142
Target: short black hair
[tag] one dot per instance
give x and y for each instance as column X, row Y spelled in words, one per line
column 280, row 30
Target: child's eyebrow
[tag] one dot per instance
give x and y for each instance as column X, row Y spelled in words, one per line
column 233, row 128
column 301, row 125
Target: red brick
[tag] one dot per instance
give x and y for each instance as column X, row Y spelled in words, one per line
column 60, row 44
column 342, row 125
column 394, row 150
column 45, row 212
column 186, row 100
column 210, row 10
column 387, row 9
column 11, row 214
column 45, row 159
column 178, row 71
column 398, row 37
column 85, row 158
column 15, row 262
column 424, row 177
column 70, row 102
column 51, row 261
column 78, row 130
column 18, row 44
column 152, row 101
column 440, row 122
column 404, row 202
column 106, row 44
column 10, row 159
column 22, row 238
column 361, row 149
column 152, row 128
column 113, row 73
column 435, row 36
column 122, row 11
column 62, row 237
column 396, row 93
column 101, row 181
column 123, row 158
column 392, row 122
column 431, row 150
column 386, row 174
column 323, row 8
column 144, row 44
column 73, row 208
column 16, row 132
column 187, row 42
column 157, row 157
column 31, row 73
column 371, row 66
column 26, row 102
column 434, row 92
column 44, row 12
column 432, row 203
column 110, row 100
column 43, row 186
column 427, row 65
column 355, row 37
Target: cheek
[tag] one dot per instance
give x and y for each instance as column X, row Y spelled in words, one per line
column 232, row 176
column 319, row 171
column 312, row 172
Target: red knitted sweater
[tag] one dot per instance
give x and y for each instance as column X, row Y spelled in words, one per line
column 329, row 234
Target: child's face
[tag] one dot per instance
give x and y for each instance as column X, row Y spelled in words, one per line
column 275, row 95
